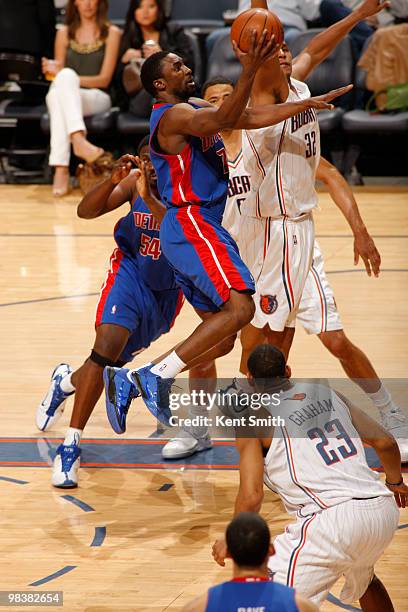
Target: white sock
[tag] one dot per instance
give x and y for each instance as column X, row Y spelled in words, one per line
column 169, row 367
column 73, row 436
column 66, row 384
column 381, row 398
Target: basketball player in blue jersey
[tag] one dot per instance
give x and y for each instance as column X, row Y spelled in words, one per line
column 249, row 545
column 139, row 302
column 192, row 173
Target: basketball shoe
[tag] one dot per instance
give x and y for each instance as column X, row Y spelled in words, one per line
column 66, row 466
column 395, row 421
column 155, row 392
column 178, row 448
column 120, row 390
column 52, row 406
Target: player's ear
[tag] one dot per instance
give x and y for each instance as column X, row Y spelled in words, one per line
column 159, row 84
column 271, row 550
column 288, row 371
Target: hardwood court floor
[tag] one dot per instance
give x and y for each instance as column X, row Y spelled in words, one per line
column 154, row 553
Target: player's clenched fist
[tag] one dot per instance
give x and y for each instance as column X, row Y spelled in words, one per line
column 220, row 551
column 122, row 168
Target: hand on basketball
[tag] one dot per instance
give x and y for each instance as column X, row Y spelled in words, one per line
column 365, row 248
column 323, row 102
column 122, row 168
column 371, row 7
column 400, row 494
column 260, row 51
column 219, row 551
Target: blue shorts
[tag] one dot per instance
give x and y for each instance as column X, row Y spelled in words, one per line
column 205, row 258
column 127, row 301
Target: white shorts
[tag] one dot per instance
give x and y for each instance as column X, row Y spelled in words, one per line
column 344, row 540
column 278, row 252
column 317, row 311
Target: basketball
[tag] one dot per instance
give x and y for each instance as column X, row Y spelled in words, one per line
column 257, row 19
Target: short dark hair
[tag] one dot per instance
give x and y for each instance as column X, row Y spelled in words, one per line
column 248, row 539
column 152, row 70
column 143, row 143
column 218, row 80
column 266, row 362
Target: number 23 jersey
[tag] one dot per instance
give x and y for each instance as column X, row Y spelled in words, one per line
column 282, row 161
column 317, row 460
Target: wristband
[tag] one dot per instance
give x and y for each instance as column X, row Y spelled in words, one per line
column 394, row 484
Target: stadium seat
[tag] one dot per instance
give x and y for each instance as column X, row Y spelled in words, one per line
column 206, row 15
column 117, row 11
column 131, row 124
column 95, row 124
column 222, row 60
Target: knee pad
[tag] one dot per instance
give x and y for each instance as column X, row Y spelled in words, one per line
column 102, row 361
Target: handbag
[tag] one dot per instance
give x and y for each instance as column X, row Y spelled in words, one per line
column 393, row 98
column 91, row 174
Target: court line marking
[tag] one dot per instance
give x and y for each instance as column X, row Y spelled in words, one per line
column 82, row 295
column 334, row 600
column 99, row 537
column 77, row 502
column 162, row 441
column 61, row 572
column 15, row 480
column 166, row 486
column 19, row 235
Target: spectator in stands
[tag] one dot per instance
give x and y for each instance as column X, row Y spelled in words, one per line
column 27, row 26
column 249, row 545
column 146, row 32
column 86, row 52
column 293, row 14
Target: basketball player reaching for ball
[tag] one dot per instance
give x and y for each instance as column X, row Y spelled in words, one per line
column 189, row 158
column 315, row 461
column 317, row 311
column 139, row 302
column 278, row 242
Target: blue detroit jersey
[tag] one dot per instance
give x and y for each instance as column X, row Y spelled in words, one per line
column 237, row 596
column 137, row 235
column 198, row 175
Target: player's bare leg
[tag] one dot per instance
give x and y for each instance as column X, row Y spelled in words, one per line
column 251, row 337
column 376, row 598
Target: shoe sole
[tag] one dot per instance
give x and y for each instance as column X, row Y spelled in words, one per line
column 65, row 486
column 110, row 399
column 152, row 407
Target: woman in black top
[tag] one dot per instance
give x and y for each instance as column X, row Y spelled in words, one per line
column 147, row 32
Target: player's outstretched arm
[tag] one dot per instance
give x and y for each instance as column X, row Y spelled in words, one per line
column 323, row 44
column 269, row 114
column 183, row 119
column 342, row 195
column 111, row 193
column 156, row 207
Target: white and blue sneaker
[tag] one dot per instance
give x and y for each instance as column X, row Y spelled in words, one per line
column 185, row 446
column 120, row 390
column 52, row 406
column 66, row 466
column 155, row 392
column 395, row 421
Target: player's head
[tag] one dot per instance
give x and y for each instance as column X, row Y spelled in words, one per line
column 267, row 365
column 249, row 540
column 285, row 59
column 165, row 74
column 216, row 90
column 143, row 151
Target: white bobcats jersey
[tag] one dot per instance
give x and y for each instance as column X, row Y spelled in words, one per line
column 317, row 459
column 238, row 188
column 282, row 160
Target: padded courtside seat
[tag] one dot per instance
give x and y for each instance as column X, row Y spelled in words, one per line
column 361, row 122
column 128, row 123
column 95, row 124
column 222, row 60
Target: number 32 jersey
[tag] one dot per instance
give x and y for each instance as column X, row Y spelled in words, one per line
column 317, row 460
column 282, row 161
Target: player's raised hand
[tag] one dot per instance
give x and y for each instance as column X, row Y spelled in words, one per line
column 142, row 179
column 323, row 102
column 122, row 168
column 365, row 248
column 260, row 51
column 220, row 551
column 400, row 493
column 371, row 7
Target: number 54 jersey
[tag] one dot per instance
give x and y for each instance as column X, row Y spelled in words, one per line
column 317, row 460
column 282, row 160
